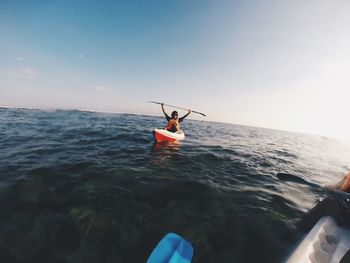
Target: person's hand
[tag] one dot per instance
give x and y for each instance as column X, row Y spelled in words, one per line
column 189, row 111
column 162, row 104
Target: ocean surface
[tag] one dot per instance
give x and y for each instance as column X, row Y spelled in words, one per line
column 94, row 187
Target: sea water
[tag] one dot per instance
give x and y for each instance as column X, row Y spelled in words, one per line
column 81, row 186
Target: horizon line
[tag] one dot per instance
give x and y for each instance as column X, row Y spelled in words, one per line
column 141, row 114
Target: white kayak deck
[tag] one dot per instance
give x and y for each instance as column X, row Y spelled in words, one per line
column 325, row 243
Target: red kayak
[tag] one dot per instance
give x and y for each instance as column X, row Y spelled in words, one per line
column 162, row 135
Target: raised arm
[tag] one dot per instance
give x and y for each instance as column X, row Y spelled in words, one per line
column 183, row 117
column 166, row 115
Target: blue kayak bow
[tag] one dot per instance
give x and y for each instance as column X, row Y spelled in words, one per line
column 171, row 249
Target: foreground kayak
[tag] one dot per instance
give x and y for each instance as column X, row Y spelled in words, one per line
column 325, row 243
column 162, row 135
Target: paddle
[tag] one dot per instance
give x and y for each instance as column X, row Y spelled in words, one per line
column 296, row 179
column 177, row 107
column 171, row 249
column 299, row 180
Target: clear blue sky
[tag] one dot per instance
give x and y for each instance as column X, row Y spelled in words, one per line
column 275, row 64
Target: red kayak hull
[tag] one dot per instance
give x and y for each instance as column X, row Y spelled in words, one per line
column 161, row 135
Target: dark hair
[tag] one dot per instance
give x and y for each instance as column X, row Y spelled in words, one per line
column 174, row 113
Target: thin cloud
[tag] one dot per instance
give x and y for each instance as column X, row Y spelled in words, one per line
column 21, row 73
column 20, row 59
column 81, row 56
column 101, row 88
column 29, row 72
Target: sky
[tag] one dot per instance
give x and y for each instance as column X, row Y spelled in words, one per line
column 275, row 64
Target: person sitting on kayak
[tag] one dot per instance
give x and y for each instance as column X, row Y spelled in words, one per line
column 174, row 121
column 334, row 205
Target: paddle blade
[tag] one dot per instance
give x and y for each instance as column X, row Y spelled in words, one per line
column 296, row 179
column 299, row 180
column 199, row 113
column 171, row 249
column 289, row 177
column 155, row 102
